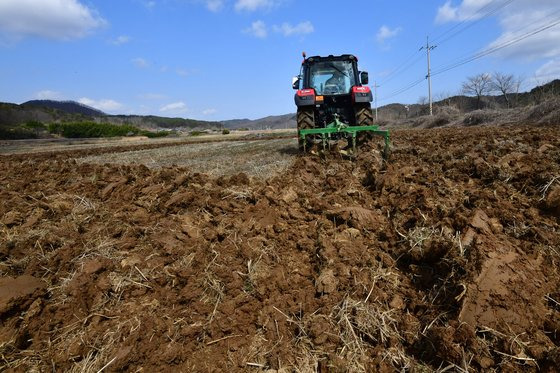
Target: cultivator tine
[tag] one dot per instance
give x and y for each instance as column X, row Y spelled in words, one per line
column 387, row 145
column 338, row 127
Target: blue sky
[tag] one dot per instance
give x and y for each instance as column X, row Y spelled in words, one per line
column 225, row 59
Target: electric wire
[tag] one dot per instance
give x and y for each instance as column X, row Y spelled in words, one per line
column 462, row 61
column 402, row 90
column 402, row 68
column 463, row 21
column 490, row 13
column 519, row 30
column 472, row 17
column 409, row 62
column 494, row 49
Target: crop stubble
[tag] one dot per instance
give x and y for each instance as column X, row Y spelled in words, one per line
column 446, row 258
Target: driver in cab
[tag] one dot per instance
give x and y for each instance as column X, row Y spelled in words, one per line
column 336, row 83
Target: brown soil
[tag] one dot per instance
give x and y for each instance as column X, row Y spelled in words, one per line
column 446, row 257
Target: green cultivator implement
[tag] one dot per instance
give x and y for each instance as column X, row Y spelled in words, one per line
column 341, row 129
column 334, row 102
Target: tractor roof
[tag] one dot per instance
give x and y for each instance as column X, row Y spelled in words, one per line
column 343, row 57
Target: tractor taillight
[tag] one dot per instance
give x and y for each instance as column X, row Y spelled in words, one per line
column 359, row 92
column 306, row 92
column 362, row 89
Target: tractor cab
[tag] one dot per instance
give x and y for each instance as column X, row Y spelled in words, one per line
column 332, row 75
column 333, row 86
column 333, row 100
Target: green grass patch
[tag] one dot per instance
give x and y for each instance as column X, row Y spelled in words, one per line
column 197, row 133
column 92, row 129
column 17, row 133
column 155, row 135
column 34, row 124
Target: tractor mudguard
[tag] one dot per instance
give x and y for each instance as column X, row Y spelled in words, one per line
column 305, row 97
column 361, row 94
column 304, row 100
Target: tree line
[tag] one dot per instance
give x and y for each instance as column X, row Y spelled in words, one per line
column 480, row 85
column 483, row 84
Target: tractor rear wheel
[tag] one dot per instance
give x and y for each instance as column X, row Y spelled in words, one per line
column 305, row 120
column 364, row 116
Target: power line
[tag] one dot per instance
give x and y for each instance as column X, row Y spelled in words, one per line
column 428, row 48
column 401, row 68
column 409, row 62
column 495, row 49
column 472, row 17
column 519, row 30
column 402, row 90
column 462, row 61
column 488, row 14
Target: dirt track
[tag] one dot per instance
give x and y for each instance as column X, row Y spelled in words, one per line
column 447, row 257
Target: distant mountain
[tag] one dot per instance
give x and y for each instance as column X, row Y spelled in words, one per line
column 235, row 123
column 71, row 107
column 270, row 122
column 155, row 122
column 48, row 111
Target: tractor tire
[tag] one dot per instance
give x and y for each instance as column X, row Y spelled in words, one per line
column 305, row 120
column 364, row 116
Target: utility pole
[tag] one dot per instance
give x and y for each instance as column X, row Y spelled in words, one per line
column 429, row 48
column 375, row 86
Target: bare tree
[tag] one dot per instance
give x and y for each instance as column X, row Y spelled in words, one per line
column 478, row 85
column 422, row 100
column 505, row 84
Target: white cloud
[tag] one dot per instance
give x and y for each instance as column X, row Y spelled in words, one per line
column 215, row 5
column 122, row 39
column 106, row 105
column 516, row 19
column 514, row 25
column 175, row 107
column 209, row 111
column 49, row 95
column 446, row 13
column 51, row 19
column 257, row 29
column 385, row 33
column 302, row 28
column 140, row 63
column 253, row 5
column 548, row 72
column 467, row 10
column 182, row 72
column 149, row 4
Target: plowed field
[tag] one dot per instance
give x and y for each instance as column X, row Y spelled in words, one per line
column 445, row 258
